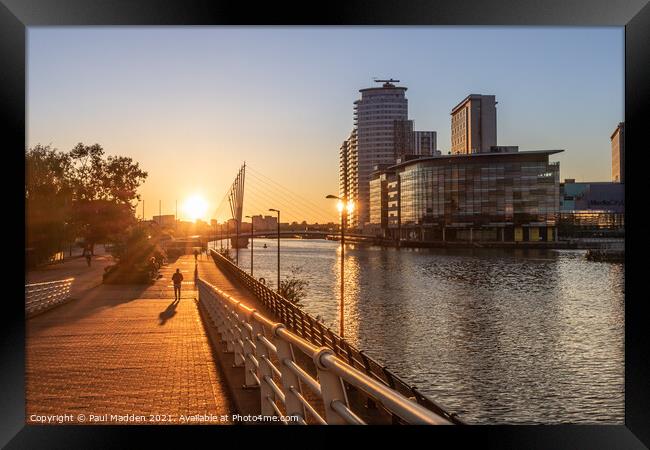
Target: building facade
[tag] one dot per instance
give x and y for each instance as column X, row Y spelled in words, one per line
column 264, row 223
column 403, row 137
column 474, row 125
column 618, row 154
column 477, row 197
column 425, row 143
column 349, row 174
column 589, row 207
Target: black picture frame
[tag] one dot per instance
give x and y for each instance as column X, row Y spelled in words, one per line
column 634, row 15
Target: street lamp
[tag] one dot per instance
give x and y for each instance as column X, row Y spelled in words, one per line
column 252, row 231
column 349, row 206
column 278, row 211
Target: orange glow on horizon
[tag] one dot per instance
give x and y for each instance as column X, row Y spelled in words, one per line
column 195, row 207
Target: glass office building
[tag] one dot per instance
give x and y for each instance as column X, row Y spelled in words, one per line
column 592, row 207
column 509, row 196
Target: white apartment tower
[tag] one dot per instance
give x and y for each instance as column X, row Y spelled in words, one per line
column 373, row 141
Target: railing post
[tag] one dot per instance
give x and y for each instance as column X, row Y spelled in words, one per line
column 238, row 340
column 230, row 332
column 293, row 405
column 331, row 388
column 216, row 313
column 263, row 370
column 249, row 349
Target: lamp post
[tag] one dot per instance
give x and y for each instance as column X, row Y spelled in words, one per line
column 252, row 231
column 278, row 211
column 344, row 207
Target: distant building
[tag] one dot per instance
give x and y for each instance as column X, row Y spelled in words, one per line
column 166, row 220
column 591, row 206
column 425, row 143
column 402, row 138
column 265, row 223
column 344, row 163
column 510, row 196
column 474, row 125
column 618, row 154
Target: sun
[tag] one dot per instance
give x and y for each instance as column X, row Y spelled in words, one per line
column 195, row 207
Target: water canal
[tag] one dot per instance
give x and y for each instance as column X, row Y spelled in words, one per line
column 496, row 335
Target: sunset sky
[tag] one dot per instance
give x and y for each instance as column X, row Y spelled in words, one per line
column 191, row 104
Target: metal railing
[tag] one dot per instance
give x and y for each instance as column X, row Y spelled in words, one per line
column 311, row 330
column 43, row 296
column 265, row 349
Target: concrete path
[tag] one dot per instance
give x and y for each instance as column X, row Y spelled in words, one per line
column 125, row 350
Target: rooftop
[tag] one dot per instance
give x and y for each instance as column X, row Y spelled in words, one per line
column 477, row 155
column 468, row 98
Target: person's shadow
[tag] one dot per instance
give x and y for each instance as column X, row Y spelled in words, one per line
column 169, row 312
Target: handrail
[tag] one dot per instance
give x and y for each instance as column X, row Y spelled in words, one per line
column 43, row 296
column 313, row 332
column 280, row 385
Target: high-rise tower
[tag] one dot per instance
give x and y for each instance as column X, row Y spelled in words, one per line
column 376, row 115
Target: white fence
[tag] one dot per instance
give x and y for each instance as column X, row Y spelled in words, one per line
column 265, row 350
column 43, row 296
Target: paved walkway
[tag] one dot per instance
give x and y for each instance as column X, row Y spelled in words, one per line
column 125, row 350
column 85, row 277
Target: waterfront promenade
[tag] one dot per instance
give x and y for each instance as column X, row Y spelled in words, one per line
column 121, row 350
column 85, row 277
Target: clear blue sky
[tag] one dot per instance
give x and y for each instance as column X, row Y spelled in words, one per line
column 191, row 103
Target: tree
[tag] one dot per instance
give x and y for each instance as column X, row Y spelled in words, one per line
column 294, row 288
column 79, row 193
column 48, row 201
column 104, row 191
column 138, row 253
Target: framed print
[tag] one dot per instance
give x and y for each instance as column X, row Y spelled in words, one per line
column 378, row 214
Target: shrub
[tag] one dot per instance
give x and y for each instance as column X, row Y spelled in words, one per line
column 294, row 288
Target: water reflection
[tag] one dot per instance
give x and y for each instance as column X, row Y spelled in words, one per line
column 499, row 336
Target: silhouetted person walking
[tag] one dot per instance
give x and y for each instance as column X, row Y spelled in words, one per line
column 177, row 278
column 196, row 255
column 88, row 258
